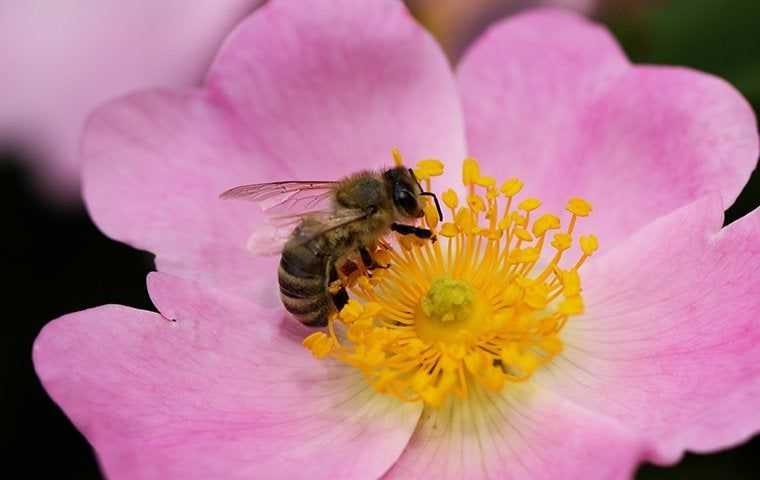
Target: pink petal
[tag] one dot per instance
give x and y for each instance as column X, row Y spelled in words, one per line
column 222, row 392
column 523, row 433
column 670, row 343
column 549, row 96
column 62, row 59
column 331, row 90
column 156, row 162
column 155, row 166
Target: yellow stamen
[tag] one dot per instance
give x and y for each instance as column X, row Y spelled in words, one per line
column 467, row 309
column 397, row 160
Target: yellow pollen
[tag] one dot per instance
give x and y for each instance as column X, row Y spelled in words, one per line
column 482, row 306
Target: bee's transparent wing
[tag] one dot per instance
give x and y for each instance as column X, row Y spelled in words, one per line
column 271, row 238
column 288, row 205
column 288, row 197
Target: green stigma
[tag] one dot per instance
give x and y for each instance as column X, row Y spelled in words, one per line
column 448, row 300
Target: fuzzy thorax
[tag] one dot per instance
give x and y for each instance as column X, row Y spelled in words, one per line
column 484, row 305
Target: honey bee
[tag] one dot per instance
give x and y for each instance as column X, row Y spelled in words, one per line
column 362, row 208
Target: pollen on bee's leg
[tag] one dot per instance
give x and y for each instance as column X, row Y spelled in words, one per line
column 483, row 307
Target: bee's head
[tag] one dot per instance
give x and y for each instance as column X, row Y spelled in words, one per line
column 406, row 193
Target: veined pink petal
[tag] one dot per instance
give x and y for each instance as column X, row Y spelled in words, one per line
column 549, row 97
column 223, row 392
column 670, row 342
column 331, row 88
column 524, row 432
column 62, row 59
column 155, row 166
column 156, row 162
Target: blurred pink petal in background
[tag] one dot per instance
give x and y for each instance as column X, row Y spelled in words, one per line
column 61, row 59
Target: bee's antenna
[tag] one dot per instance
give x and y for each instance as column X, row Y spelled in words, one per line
column 428, row 194
column 437, row 205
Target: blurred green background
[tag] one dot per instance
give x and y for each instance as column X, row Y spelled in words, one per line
column 55, row 261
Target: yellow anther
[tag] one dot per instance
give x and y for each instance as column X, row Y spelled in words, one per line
column 432, row 396
column 476, row 203
column 562, row 241
column 523, row 234
column 431, row 215
column 535, row 298
column 421, row 174
column 492, row 193
column 511, row 187
column 319, row 344
column 524, row 255
column 526, row 362
column 589, row 244
column 492, row 213
column 512, row 295
column 351, row 311
column 449, row 230
column 373, row 357
column 450, row 198
column 551, row 344
column 464, row 220
column 492, row 234
column 447, row 363
column 578, row 206
column 456, row 351
column 371, row 309
column 529, row 204
column 518, row 219
column 485, row 181
column 397, row 160
column 475, row 361
column 509, row 354
column 364, row 282
column 470, row 171
column 571, row 306
column 571, row 282
column 431, row 166
column 492, row 378
column 544, row 223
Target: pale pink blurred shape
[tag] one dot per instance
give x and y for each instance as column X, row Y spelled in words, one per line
column 61, row 59
column 664, row 360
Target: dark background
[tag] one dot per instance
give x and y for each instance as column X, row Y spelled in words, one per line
column 56, row 261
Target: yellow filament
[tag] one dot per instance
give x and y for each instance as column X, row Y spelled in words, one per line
column 469, row 308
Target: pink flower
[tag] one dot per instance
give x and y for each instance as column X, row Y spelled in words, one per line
column 62, row 59
column 665, row 358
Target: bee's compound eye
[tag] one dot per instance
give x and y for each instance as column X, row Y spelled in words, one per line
column 407, row 201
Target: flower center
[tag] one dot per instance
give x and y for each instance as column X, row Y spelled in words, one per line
column 481, row 305
column 450, row 309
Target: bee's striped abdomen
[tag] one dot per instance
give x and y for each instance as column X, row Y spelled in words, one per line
column 304, row 285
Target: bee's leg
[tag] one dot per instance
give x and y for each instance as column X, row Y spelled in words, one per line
column 339, row 296
column 346, row 269
column 423, row 233
column 369, row 261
